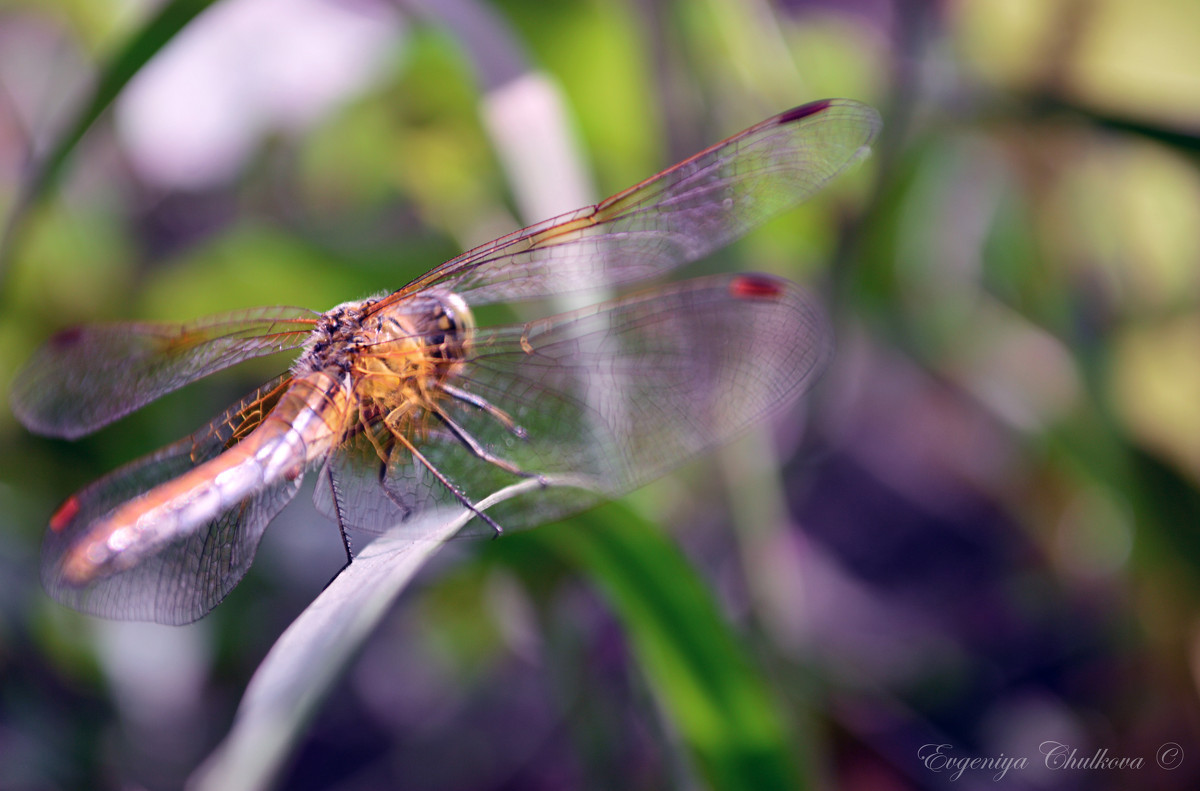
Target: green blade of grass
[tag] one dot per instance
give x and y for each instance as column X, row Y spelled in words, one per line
column 306, row 661
column 143, row 45
column 719, row 702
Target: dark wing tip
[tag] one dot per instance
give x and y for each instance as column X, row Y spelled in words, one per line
column 65, row 339
column 860, row 119
column 803, row 111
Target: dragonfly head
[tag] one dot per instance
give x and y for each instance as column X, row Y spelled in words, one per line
column 407, row 347
column 447, row 337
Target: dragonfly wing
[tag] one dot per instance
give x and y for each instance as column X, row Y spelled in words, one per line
column 364, row 493
column 677, row 216
column 362, row 490
column 606, row 399
column 622, row 393
column 84, row 378
column 193, row 573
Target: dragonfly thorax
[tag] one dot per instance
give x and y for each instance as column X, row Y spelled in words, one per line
column 394, row 353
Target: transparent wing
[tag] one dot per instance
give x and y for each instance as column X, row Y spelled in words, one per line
column 607, row 399
column 362, row 490
column 192, row 575
column 84, row 378
column 677, row 216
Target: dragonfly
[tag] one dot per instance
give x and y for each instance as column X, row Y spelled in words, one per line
column 401, row 404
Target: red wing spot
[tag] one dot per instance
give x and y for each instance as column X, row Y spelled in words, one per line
column 755, row 287
column 65, row 514
column 796, row 113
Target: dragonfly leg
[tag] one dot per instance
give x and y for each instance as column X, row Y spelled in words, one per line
column 482, row 403
column 458, row 494
column 370, row 434
column 477, row 450
column 340, row 522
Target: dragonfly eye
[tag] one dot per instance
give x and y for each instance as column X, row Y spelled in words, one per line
column 446, row 321
column 450, row 325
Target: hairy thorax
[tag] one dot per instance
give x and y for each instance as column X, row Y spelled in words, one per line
column 392, row 356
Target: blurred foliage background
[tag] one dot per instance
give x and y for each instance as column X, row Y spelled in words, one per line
column 981, row 529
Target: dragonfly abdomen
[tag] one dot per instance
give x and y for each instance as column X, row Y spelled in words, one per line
column 301, row 429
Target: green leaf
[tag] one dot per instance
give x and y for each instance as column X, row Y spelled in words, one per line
column 315, row 650
column 719, row 702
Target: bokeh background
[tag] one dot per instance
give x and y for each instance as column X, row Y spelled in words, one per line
column 981, row 529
